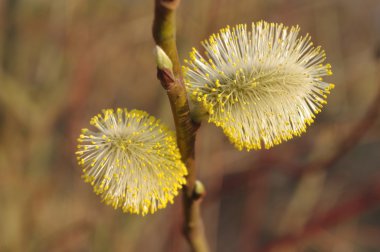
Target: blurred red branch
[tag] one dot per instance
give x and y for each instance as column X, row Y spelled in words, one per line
column 257, row 197
column 80, row 89
column 350, row 141
column 364, row 201
column 64, row 236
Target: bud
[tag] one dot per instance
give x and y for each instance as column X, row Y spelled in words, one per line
column 163, row 60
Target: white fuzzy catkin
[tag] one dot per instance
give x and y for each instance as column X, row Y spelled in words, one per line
column 131, row 160
column 262, row 85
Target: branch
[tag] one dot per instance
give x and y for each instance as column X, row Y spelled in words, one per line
column 367, row 199
column 171, row 79
column 351, row 140
column 164, row 31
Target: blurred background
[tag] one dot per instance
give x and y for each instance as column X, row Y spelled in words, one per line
column 63, row 61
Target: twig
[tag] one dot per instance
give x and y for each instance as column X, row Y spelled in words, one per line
column 80, row 88
column 63, row 237
column 193, row 192
column 257, row 195
column 352, row 139
column 367, row 199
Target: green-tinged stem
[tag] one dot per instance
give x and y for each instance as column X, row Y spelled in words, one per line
column 164, row 31
column 172, row 81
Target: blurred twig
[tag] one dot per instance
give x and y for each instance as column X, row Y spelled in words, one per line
column 212, row 16
column 61, row 238
column 351, row 140
column 367, row 199
column 256, row 200
column 78, row 97
column 32, row 114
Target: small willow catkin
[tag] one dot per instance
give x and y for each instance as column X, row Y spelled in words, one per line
column 131, row 160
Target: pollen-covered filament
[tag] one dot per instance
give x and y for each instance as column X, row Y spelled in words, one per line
column 262, row 86
column 132, row 161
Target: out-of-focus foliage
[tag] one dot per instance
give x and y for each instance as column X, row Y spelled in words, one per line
column 64, row 60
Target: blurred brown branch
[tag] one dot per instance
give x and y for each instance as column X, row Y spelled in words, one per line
column 23, row 106
column 368, row 198
column 61, row 239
